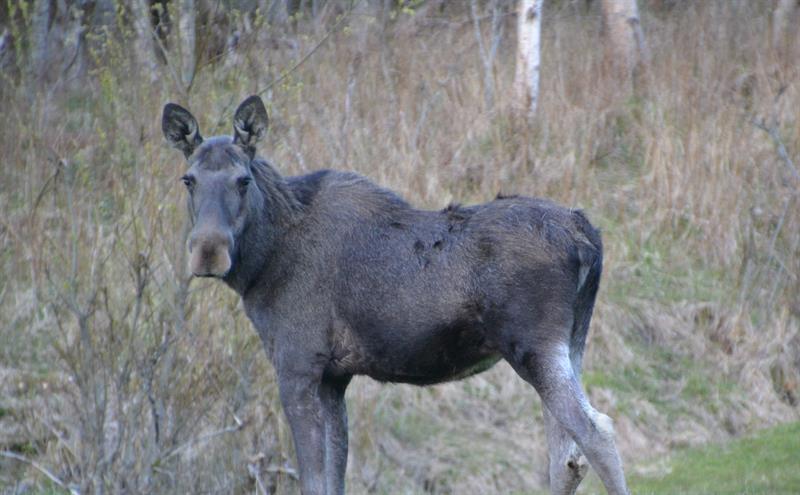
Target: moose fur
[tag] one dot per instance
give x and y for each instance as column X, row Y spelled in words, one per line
column 341, row 277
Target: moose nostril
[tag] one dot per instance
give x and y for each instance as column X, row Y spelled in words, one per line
column 208, row 250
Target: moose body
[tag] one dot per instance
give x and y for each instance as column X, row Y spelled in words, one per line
column 341, row 277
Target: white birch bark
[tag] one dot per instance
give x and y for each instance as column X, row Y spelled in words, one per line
column 625, row 49
column 5, row 50
column 187, row 27
column 526, row 80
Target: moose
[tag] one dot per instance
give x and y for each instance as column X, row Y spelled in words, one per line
column 341, row 277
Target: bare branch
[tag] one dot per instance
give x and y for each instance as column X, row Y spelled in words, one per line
column 204, row 438
column 292, row 473
column 316, row 47
column 40, row 468
column 489, row 54
column 779, row 146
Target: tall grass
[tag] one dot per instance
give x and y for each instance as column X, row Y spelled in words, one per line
column 119, row 373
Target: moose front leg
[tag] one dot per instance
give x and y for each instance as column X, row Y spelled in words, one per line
column 300, row 396
column 335, row 410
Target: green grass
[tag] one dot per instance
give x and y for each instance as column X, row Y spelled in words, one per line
column 672, row 383
column 767, row 462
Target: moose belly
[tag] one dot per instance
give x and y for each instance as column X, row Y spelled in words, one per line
column 419, row 356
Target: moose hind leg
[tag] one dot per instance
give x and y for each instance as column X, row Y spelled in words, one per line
column 547, row 367
column 568, row 466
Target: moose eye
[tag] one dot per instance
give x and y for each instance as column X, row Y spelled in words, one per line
column 243, row 182
column 187, row 180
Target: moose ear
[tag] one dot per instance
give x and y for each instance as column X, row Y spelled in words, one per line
column 250, row 124
column 180, row 128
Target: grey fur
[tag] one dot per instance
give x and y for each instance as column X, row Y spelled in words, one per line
column 341, row 277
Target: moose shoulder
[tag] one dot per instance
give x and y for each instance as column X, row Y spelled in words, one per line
column 341, row 277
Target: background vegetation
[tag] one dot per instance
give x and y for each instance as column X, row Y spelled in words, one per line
column 118, row 373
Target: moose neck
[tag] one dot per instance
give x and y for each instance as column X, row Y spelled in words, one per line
column 273, row 211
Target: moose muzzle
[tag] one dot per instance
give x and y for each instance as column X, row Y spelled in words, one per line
column 210, row 253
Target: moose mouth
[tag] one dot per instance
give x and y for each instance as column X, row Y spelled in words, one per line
column 209, row 255
column 209, row 275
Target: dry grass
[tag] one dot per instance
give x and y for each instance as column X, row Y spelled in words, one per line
column 118, row 373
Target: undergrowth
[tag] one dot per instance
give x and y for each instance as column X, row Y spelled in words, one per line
column 120, row 373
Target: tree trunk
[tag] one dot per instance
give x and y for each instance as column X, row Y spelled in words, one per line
column 145, row 44
column 187, row 26
column 784, row 22
column 6, row 52
column 625, row 48
column 526, row 80
column 40, row 26
column 488, row 54
column 76, row 63
column 274, row 10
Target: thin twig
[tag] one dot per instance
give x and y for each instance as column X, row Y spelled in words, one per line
column 311, row 52
column 772, row 131
column 55, row 432
column 42, row 469
column 290, row 472
column 205, row 437
column 253, row 470
column 285, row 74
column 780, row 148
column 176, row 78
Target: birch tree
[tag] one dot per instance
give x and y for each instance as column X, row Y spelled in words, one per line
column 5, row 51
column 40, row 27
column 625, row 49
column 187, row 30
column 526, row 79
column 145, row 44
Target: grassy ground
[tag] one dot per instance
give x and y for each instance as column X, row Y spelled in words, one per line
column 118, row 372
column 766, row 462
column 763, row 463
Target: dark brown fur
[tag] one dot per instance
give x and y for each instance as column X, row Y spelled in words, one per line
column 341, row 277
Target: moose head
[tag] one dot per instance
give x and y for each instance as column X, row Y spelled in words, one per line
column 219, row 182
